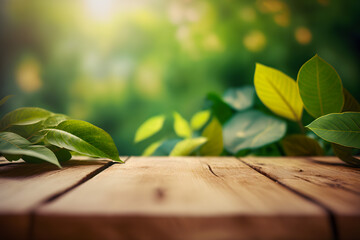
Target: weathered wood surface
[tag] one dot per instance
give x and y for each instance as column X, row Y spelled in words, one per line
column 24, row 187
column 181, row 198
column 327, row 181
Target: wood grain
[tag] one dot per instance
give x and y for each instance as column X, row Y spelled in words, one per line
column 181, row 198
column 326, row 180
column 23, row 187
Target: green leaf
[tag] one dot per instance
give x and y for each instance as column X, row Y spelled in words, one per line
column 339, row 128
column 149, row 128
column 301, row 145
column 4, row 99
column 278, row 92
column 240, row 98
column 23, row 116
column 26, row 131
column 12, row 157
column 213, row 133
column 54, row 120
column 252, row 129
column 199, row 119
column 187, row 146
column 320, row 87
column 345, row 154
column 152, row 148
column 11, row 143
column 181, row 126
column 219, row 108
column 84, row 138
column 350, row 103
column 62, row 154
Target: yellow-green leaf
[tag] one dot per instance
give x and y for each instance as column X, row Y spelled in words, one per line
column 278, row 92
column 320, row 87
column 199, row 119
column 213, row 132
column 149, row 128
column 187, row 146
column 181, row 126
column 151, row 148
column 301, row 145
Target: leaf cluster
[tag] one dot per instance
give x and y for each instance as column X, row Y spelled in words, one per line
column 240, row 126
column 37, row 135
column 202, row 135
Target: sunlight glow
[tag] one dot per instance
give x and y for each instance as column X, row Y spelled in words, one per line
column 101, row 10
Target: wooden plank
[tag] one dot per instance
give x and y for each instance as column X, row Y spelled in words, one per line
column 24, row 186
column 324, row 179
column 181, row 198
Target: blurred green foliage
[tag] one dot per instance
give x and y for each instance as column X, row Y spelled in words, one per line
column 247, row 131
column 116, row 63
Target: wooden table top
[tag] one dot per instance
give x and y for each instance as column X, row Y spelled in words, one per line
column 181, row 198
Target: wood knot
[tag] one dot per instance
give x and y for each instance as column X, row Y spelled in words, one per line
column 159, row 194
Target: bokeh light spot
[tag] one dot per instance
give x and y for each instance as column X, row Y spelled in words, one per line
column 303, row 35
column 255, row 41
column 247, row 14
column 28, row 75
column 270, row 6
column 148, row 81
column 282, row 19
column 212, row 43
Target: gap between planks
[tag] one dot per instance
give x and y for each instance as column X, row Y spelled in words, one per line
column 55, row 196
column 329, row 212
column 81, row 181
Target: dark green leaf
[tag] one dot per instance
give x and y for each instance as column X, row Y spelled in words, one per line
column 12, row 157
column 301, row 145
column 350, row 105
column 345, row 154
column 320, row 87
column 219, row 108
column 339, row 128
column 83, row 137
column 62, row 154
